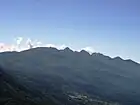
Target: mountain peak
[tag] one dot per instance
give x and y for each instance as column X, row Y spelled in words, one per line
column 67, row 49
column 97, row 54
column 83, row 52
column 117, row 58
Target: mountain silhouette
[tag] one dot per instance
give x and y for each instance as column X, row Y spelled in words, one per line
column 49, row 75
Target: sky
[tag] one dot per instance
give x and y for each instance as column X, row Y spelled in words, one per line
column 111, row 27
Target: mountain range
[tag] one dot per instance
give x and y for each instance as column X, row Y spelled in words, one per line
column 48, row 76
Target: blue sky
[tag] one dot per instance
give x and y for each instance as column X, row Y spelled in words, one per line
column 111, row 27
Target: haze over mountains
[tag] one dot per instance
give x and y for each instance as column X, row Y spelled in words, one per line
column 21, row 44
column 58, row 76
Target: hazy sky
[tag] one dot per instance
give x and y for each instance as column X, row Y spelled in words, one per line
column 111, row 27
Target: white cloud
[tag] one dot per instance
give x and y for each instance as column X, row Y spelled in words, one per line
column 38, row 44
column 1, row 44
column 51, row 45
column 19, row 40
column 62, row 46
column 89, row 49
column 25, row 44
column 59, row 47
column 4, row 47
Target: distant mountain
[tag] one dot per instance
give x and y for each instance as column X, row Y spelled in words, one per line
column 60, row 77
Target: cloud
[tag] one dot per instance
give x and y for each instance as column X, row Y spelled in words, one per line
column 62, row 46
column 56, row 46
column 29, row 43
column 4, row 47
column 19, row 40
column 39, row 44
column 1, row 44
column 25, row 44
column 89, row 49
column 51, row 45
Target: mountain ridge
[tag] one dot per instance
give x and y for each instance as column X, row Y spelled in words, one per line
column 110, row 79
column 69, row 50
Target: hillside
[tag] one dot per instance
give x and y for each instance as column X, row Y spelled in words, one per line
column 62, row 77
